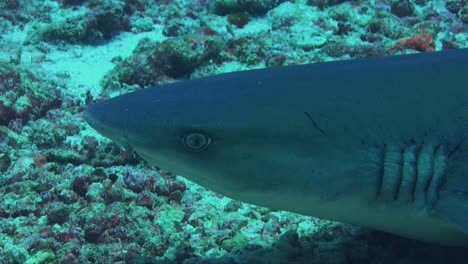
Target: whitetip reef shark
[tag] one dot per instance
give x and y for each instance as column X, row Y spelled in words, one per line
column 378, row 142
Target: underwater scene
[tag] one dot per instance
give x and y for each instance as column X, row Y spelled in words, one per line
column 156, row 131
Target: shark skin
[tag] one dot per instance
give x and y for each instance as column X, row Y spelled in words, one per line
column 378, row 142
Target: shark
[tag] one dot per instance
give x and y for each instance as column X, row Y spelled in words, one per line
column 379, row 142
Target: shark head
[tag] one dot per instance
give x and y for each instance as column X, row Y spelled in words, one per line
column 232, row 136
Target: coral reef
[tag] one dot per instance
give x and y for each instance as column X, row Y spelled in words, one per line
column 23, row 96
column 68, row 195
column 224, row 7
column 153, row 62
column 101, row 22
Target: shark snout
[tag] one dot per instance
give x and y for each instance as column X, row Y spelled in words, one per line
column 109, row 119
column 104, row 120
column 91, row 117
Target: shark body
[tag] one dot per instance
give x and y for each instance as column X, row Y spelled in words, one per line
column 379, row 142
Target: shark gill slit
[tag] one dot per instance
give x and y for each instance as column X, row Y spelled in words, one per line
column 400, row 181
column 425, row 173
column 440, row 165
column 378, row 186
column 411, row 174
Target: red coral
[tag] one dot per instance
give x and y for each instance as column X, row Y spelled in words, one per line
column 18, row 84
column 39, row 160
column 10, row 80
column 65, row 237
column 421, row 42
column 80, row 186
column 144, row 199
column 112, row 222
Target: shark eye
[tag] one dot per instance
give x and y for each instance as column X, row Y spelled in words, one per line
column 196, row 141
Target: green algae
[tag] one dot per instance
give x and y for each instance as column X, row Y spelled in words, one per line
column 41, row 257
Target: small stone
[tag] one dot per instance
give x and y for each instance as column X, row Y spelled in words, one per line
column 224, row 7
column 93, row 232
column 454, row 6
column 464, row 14
column 114, row 194
column 43, row 186
column 239, row 19
column 238, row 241
column 176, row 196
column 64, row 156
column 4, row 162
column 68, row 196
column 144, row 199
column 80, row 186
column 95, row 192
column 232, row 206
column 58, row 213
column 402, row 8
column 73, row 2
column 175, row 185
column 325, row 3
column 113, row 177
column 136, row 181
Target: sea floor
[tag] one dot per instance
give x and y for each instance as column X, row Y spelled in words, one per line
column 69, row 195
